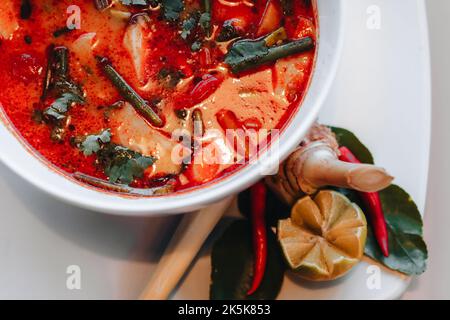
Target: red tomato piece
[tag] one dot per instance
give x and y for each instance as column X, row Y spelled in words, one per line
column 203, row 89
column 26, row 68
column 305, row 28
column 228, row 120
column 205, row 165
column 271, row 18
column 205, row 57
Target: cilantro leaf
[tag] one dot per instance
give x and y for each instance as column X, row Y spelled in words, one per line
column 248, row 53
column 63, row 85
column 171, row 9
column 195, row 27
column 228, row 32
column 196, row 46
column 188, row 26
column 122, row 165
column 93, row 143
column 169, row 77
column 205, row 22
column 58, row 109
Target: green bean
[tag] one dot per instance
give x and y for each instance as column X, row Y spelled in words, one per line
column 207, row 21
column 26, row 9
column 255, row 55
column 128, row 93
column 62, row 31
column 61, row 62
column 287, row 49
column 57, row 68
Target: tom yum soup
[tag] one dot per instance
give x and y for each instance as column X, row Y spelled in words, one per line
column 153, row 96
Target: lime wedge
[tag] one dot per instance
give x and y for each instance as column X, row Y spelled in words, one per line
column 324, row 237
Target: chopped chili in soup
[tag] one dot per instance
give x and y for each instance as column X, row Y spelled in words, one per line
column 138, row 96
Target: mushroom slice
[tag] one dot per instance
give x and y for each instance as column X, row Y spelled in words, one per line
column 83, row 48
column 8, row 19
column 290, row 72
column 134, row 41
column 132, row 131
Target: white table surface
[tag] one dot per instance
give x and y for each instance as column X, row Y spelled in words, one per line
column 435, row 283
column 115, row 251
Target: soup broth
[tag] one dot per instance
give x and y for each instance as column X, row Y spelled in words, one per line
column 153, row 96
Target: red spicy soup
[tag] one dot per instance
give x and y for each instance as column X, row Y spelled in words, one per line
column 139, row 96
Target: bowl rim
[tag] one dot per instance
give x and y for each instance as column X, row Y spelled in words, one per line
column 198, row 197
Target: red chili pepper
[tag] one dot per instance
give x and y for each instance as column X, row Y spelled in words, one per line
column 205, row 57
column 373, row 203
column 205, row 88
column 258, row 204
column 271, row 18
column 228, row 120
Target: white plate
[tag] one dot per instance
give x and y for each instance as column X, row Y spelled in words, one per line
column 382, row 93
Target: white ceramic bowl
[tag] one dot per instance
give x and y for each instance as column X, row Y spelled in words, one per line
column 15, row 153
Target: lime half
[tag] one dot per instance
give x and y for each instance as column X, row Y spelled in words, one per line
column 324, row 237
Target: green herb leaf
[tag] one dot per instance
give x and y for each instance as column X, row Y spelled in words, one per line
column 275, row 208
column 205, row 22
column 123, row 165
column 120, row 164
column 62, row 31
column 169, row 77
column 197, row 45
column 408, row 251
column 61, row 86
column 248, row 54
column 188, row 26
column 58, row 109
column 93, row 143
column 232, row 265
column 171, row 9
column 348, row 139
column 228, row 32
column 134, row 2
column 352, row 195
